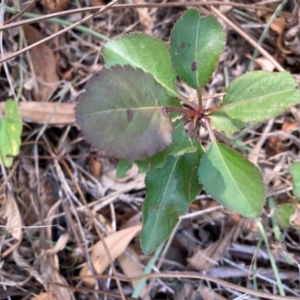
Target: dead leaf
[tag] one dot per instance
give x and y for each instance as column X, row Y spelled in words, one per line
column 95, row 166
column 44, row 296
column 46, row 113
column 117, row 243
column 279, row 25
column 49, row 264
column 204, row 259
column 50, row 273
column 37, row 200
column 265, row 64
column 144, row 16
column 294, row 219
column 11, row 214
column 208, row 294
column 96, row 2
column 224, row 9
column 275, row 145
column 55, row 5
column 185, row 292
column 110, row 182
column 129, row 263
column 292, row 40
column 43, row 63
column 104, row 222
column 289, row 126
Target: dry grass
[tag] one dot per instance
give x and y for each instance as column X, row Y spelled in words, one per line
column 61, row 196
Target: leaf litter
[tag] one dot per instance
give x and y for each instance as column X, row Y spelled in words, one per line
column 43, row 64
column 51, row 254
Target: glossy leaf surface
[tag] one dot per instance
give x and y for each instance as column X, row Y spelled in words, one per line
column 143, row 51
column 122, row 112
column 170, row 190
column 260, row 95
column 196, row 44
column 295, row 172
column 221, row 122
column 232, row 180
column 10, row 132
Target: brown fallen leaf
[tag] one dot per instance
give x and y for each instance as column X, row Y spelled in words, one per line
column 224, row 9
column 289, row 125
column 295, row 218
column 95, row 166
column 37, row 199
column 129, row 263
column 43, row 63
column 265, row 64
column 117, row 243
column 96, row 2
column 46, row 112
column 48, row 267
column 44, row 296
column 208, row 293
column 11, row 214
column 279, row 25
column 55, row 5
column 145, row 18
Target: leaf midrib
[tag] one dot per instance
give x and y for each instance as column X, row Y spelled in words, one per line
column 122, row 110
column 242, row 102
column 196, row 52
column 163, row 196
column 232, row 177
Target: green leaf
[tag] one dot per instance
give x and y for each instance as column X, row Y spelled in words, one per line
column 295, row 172
column 221, row 122
column 170, row 190
column 147, row 52
column 258, row 96
column 122, row 112
column 232, row 180
column 181, row 143
column 284, row 212
column 10, row 132
column 196, row 44
column 123, row 166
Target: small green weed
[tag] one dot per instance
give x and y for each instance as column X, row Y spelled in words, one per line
column 133, row 111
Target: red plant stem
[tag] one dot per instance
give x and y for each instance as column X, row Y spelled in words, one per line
column 199, row 92
column 183, row 111
column 212, row 109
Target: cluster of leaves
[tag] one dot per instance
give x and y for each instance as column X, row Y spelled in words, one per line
column 133, row 111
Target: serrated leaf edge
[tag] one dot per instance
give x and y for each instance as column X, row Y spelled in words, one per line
column 231, row 119
column 173, row 93
column 146, row 178
column 194, row 9
column 265, row 191
column 85, row 132
column 262, row 119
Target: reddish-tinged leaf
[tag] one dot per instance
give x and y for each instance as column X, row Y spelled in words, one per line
column 122, row 112
column 117, row 243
